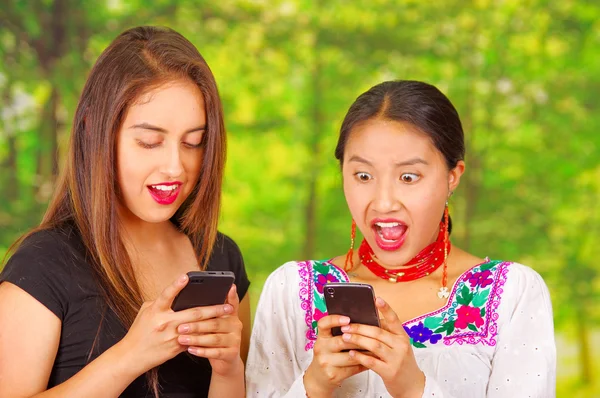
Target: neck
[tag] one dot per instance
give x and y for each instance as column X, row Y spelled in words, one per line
column 140, row 234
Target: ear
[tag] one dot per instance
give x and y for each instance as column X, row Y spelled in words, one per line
column 455, row 174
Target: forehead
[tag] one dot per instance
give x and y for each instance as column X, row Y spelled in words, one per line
column 168, row 103
column 389, row 140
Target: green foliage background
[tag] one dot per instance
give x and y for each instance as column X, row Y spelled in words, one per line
column 524, row 76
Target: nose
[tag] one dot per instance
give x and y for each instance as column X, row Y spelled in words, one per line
column 172, row 164
column 386, row 198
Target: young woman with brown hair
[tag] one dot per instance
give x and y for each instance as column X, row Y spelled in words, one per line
column 85, row 300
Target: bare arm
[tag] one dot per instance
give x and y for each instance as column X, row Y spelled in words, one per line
column 29, row 339
column 31, row 333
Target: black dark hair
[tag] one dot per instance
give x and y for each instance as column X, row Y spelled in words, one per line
column 414, row 102
column 420, row 104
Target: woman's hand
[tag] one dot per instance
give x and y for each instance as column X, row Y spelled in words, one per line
column 217, row 337
column 393, row 359
column 330, row 366
column 153, row 337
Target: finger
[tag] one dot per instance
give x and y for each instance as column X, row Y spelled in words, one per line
column 165, row 299
column 233, row 299
column 375, row 346
column 202, row 313
column 214, row 325
column 330, row 321
column 369, row 362
column 373, row 332
column 341, row 360
column 213, row 353
column 222, row 340
column 353, row 370
column 392, row 322
column 334, row 344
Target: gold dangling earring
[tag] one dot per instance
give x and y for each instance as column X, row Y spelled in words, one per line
column 350, row 253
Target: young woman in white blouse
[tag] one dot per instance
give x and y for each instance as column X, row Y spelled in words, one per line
column 453, row 324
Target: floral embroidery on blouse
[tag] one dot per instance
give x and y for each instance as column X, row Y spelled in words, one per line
column 470, row 316
column 471, row 313
column 313, row 277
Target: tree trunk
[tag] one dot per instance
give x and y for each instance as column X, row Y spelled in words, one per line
column 10, row 164
column 310, row 211
column 469, row 181
column 583, row 337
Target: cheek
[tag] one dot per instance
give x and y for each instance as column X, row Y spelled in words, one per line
column 133, row 169
column 192, row 163
column 357, row 198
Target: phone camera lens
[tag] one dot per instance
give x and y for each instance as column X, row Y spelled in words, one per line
column 330, row 290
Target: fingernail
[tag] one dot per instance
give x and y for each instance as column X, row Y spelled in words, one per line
column 380, row 302
column 193, row 350
column 344, row 320
column 346, row 337
column 352, row 353
column 184, row 339
column 345, row 328
column 183, row 278
column 184, row 329
column 228, row 309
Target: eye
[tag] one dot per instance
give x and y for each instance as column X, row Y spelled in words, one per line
column 146, row 145
column 192, row 145
column 409, row 177
column 363, row 177
column 194, row 140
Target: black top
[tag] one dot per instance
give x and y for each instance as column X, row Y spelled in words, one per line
column 51, row 266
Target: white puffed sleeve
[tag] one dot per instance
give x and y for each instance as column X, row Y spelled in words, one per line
column 277, row 356
column 524, row 364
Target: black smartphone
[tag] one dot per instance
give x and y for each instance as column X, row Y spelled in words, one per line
column 204, row 288
column 354, row 300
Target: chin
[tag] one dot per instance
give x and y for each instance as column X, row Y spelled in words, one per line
column 156, row 216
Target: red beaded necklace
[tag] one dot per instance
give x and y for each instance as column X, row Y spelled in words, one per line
column 423, row 264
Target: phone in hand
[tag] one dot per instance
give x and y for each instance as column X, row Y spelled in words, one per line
column 354, row 300
column 204, row 288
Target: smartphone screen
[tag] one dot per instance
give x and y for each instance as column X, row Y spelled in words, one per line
column 354, row 300
column 204, row 288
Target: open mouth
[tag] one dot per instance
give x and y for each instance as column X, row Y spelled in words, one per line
column 164, row 194
column 389, row 234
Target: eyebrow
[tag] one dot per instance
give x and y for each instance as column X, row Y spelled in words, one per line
column 408, row 162
column 147, row 126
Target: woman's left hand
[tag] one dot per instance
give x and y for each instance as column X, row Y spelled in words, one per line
column 391, row 356
column 217, row 339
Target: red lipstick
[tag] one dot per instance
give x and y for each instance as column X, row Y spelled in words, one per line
column 390, row 233
column 165, row 193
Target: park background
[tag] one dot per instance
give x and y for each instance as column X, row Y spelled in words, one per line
column 524, row 75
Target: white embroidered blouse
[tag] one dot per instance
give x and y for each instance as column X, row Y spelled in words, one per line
column 494, row 338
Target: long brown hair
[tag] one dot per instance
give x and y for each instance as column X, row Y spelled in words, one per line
column 87, row 192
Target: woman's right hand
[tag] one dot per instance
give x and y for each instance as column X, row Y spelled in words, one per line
column 330, row 366
column 153, row 336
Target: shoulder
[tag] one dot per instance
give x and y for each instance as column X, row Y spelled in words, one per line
column 525, row 285
column 298, row 286
column 505, row 278
column 225, row 253
column 308, row 272
column 521, row 279
column 513, row 288
column 45, row 265
column 56, row 247
column 225, row 244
